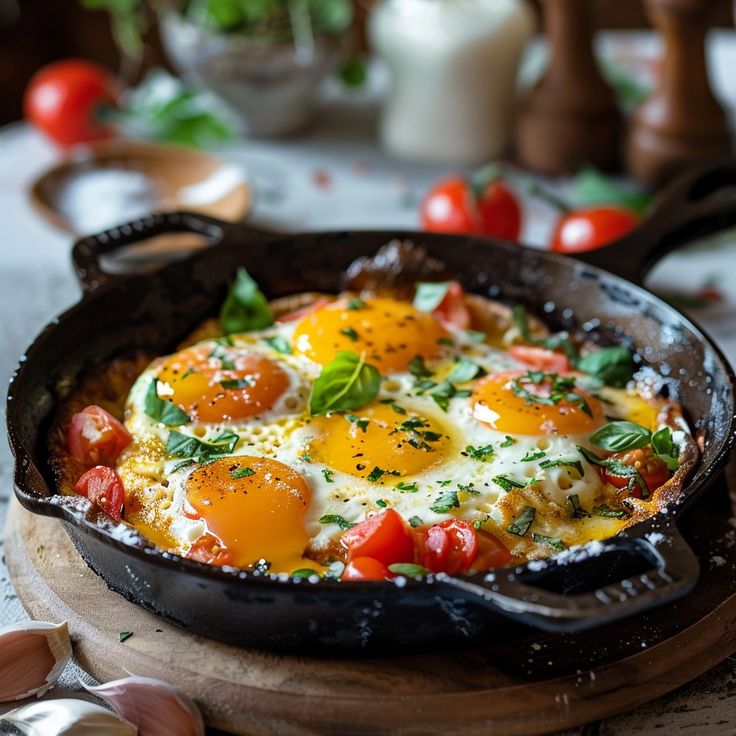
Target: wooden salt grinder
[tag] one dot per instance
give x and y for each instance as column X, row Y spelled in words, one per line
column 570, row 117
column 681, row 122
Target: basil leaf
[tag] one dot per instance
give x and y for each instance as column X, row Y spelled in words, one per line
column 409, row 570
column 610, row 513
column 418, row 368
column 575, row 464
column 614, row 366
column 304, row 573
column 664, row 447
column 415, row 521
column 621, row 436
column 577, row 510
column 245, row 307
column 447, row 500
column 554, row 542
column 590, row 186
column 429, row 296
column 521, row 525
column 281, row 345
column 479, row 453
column 341, row 521
column 162, row 411
column 508, row 484
column 465, row 370
column 181, row 445
column 347, row 382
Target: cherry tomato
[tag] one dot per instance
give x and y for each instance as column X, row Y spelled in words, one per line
column 365, row 568
column 653, row 470
column 297, row 314
column 450, row 546
column 452, row 309
column 451, row 206
column 103, row 487
column 491, row 552
column 540, row 358
column 384, row 536
column 64, row 100
column 592, row 227
column 96, row 437
column 209, row 549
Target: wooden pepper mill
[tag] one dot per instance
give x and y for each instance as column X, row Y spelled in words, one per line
column 681, row 122
column 570, row 117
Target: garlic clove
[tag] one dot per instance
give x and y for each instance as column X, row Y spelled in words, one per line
column 68, row 717
column 154, row 706
column 32, row 656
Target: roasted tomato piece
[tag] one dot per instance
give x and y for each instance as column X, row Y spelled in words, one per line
column 452, row 309
column 96, row 437
column 209, row 549
column 653, row 470
column 103, row 487
column 450, row 546
column 540, row 359
column 384, row 537
column 592, row 227
column 365, row 568
column 297, row 314
column 491, row 552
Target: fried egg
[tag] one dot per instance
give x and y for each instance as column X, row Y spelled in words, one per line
column 459, row 429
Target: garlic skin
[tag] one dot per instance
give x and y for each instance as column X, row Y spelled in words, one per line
column 68, row 717
column 32, row 656
column 154, row 706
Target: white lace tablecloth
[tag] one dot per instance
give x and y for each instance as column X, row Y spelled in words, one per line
column 336, row 177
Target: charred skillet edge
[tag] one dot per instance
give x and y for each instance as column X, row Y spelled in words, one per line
column 699, row 203
column 87, row 251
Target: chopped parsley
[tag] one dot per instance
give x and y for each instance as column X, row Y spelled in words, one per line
column 381, row 503
column 531, row 456
column 305, row 457
column 362, row 424
column 444, row 483
column 576, row 509
column 415, row 521
column 350, row 333
column 355, row 303
column 447, row 500
column 444, row 392
column 508, row 484
column 418, row 368
column 554, row 542
column 378, row 473
column 398, row 409
column 237, row 383
column 242, row 473
column 469, row 488
column 188, row 372
column 575, row 464
column 521, row 525
column 481, row 454
column 341, row 521
column 279, row 343
column 508, row 442
column 404, row 487
column 328, row 474
column 610, row 513
column 560, row 389
column 465, row 370
column 125, row 635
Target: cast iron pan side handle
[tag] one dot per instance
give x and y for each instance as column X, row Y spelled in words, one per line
column 673, row 573
column 699, row 203
column 87, row 252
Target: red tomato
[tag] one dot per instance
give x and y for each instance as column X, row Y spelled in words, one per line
column 491, row 552
column 384, row 536
column 103, row 487
column 452, row 308
column 64, row 100
column 592, row 227
column 652, row 469
column 209, row 549
column 297, row 314
column 450, row 546
column 96, row 437
column 540, row 358
column 451, row 206
column 365, row 568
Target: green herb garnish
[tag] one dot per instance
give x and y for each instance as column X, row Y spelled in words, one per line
column 418, row 368
column 577, row 510
column 347, row 382
column 465, row 370
column 245, row 307
column 237, row 383
column 341, row 521
column 415, row 521
column 533, row 455
column 610, row 513
column 125, row 635
column 554, row 542
column 409, row 570
column 621, row 436
column 328, row 475
column 181, row 445
column 508, row 442
column 362, row 424
column 162, row 411
column 447, row 500
column 429, row 296
column 378, row 473
column 508, row 484
column 355, row 303
column 521, row 525
column 350, row 333
column 575, row 464
column 242, row 473
column 280, row 344
column 406, row 487
column 482, row 454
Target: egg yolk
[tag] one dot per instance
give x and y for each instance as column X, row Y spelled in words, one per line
column 255, row 507
column 387, row 331
column 216, row 383
column 535, row 404
column 378, row 443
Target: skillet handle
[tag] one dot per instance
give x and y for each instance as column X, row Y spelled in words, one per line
column 700, row 202
column 88, row 251
column 673, row 572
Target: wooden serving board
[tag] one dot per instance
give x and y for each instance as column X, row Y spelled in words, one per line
column 525, row 685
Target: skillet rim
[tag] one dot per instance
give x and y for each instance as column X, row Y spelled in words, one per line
column 104, row 529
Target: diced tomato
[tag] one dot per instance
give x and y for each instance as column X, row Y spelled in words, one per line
column 384, row 536
column 209, row 549
column 365, row 568
column 540, row 358
column 452, row 309
column 103, row 487
column 298, row 314
column 653, row 470
column 96, row 437
column 450, row 546
column 491, row 552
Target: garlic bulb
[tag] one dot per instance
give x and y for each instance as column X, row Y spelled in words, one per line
column 68, row 717
column 32, row 656
column 154, row 706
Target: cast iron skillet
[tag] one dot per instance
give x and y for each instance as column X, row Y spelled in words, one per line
column 636, row 570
